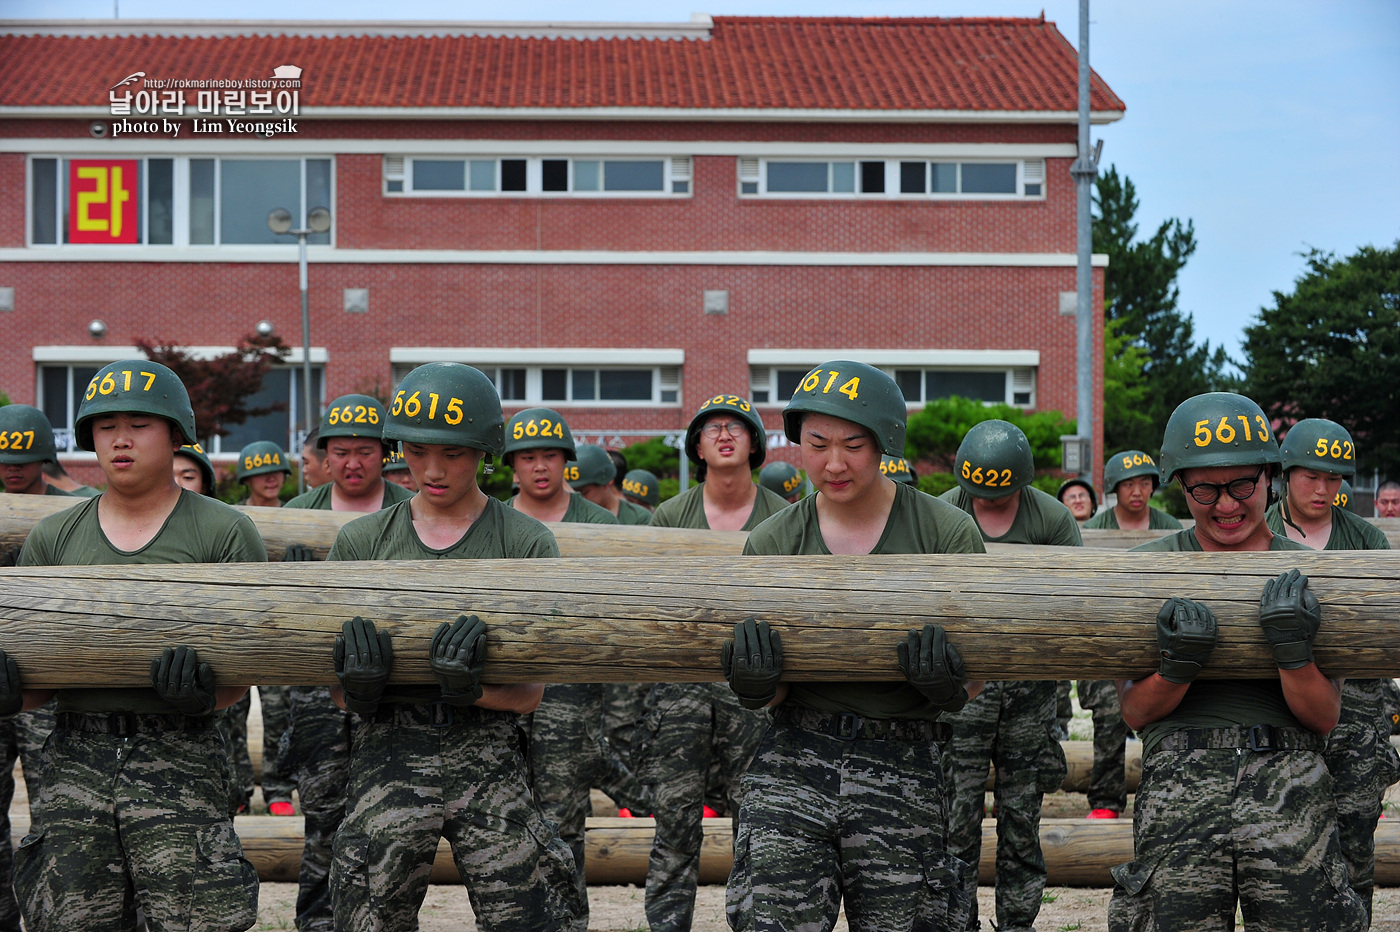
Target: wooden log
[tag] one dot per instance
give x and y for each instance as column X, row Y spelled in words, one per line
column 1047, row 614
column 317, row 529
column 1116, row 539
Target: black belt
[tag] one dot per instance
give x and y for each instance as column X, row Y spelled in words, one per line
column 435, row 714
column 1249, row 737
column 131, row 723
column 847, row 726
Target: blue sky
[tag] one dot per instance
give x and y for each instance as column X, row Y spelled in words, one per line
column 1274, row 126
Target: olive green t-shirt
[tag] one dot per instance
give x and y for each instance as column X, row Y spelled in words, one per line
column 1219, row 703
column 1040, row 519
column 1157, row 520
column 55, row 490
column 918, row 523
column 86, row 491
column 319, row 498
column 581, row 511
column 629, row 513
column 1349, row 531
column 199, row 530
column 688, row 509
column 500, row 533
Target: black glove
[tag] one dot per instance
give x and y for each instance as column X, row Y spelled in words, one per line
column 1290, row 616
column 11, row 693
column 181, row 680
column 299, row 553
column 363, row 658
column 934, row 667
column 457, row 657
column 753, row 663
column 10, row 556
column 1186, row 636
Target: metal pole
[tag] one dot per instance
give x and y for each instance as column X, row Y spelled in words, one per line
column 305, row 351
column 1084, row 170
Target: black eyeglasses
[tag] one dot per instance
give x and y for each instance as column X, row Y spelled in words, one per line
column 1208, row 493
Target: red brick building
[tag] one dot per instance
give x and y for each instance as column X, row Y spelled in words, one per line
column 618, row 221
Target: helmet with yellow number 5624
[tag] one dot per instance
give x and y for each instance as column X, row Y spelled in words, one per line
column 538, row 429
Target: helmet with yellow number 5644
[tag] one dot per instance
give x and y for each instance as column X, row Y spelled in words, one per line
column 994, row 460
column 259, row 458
column 1217, row 429
column 1129, row 464
column 741, row 408
column 538, row 429
column 1320, row 444
column 135, row 386
column 855, row 392
column 447, row 404
column 352, row 416
column 781, row 478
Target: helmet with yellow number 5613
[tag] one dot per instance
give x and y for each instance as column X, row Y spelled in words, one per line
column 1217, row 429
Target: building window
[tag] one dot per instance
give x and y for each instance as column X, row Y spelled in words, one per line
column 991, row 385
column 61, row 388
column 469, row 177
column 171, row 201
column 578, row 385
column 890, row 178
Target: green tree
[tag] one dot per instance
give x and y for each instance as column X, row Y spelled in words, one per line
column 1140, row 291
column 1124, row 390
column 220, row 387
column 934, row 433
column 654, row 455
column 1331, row 349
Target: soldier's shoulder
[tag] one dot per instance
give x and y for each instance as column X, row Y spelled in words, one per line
column 668, row 513
column 582, row 511
column 1101, row 521
column 775, row 534
column 1171, row 543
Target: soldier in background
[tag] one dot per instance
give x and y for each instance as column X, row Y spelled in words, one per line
column 1388, row 500
column 1316, row 455
column 1132, row 476
column 262, row 468
column 446, row 759
column 26, row 445
column 1012, row 723
column 692, row 728
column 591, row 473
column 641, row 488
column 58, row 478
column 193, row 471
column 1077, row 494
column 783, row 480
column 1235, row 809
column 397, row 472
column 313, row 460
column 898, row 469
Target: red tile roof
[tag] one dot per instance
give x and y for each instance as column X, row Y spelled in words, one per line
column 764, row 63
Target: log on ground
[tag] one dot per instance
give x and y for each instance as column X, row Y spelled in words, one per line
column 1046, row 614
column 1079, row 756
column 280, row 527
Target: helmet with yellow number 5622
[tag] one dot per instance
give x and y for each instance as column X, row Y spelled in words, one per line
column 1320, row 444
column 994, row 460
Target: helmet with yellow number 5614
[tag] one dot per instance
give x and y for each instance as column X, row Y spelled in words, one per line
column 855, row 392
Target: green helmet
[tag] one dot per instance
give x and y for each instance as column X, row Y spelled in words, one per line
column 897, row 468
column 994, row 460
column 1216, row 429
column 26, row 436
column 259, row 458
column 1080, row 481
column 352, row 416
column 135, row 386
column 538, row 429
column 781, row 478
column 642, row 486
column 1317, row 443
column 853, row 392
column 206, row 469
column 394, row 462
column 591, row 465
column 1128, row 465
column 740, row 408
column 449, row 404
column 1345, row 498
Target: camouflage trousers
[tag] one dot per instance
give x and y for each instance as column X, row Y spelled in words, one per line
column 1108, row 780
column 464, row 778
column 21, row 738
column 1010, row 724
column 233, row 725
column 1363, row 764
column 315, row 751
column 1213, row 826
column 276, row 785
column 1064, row 707
column 688, row 728
column 828, row 819
column 133, row 813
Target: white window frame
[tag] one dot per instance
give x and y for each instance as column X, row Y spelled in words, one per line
column 180, row 193
column 753, row 173
column 665, row 366
column 397, row 176
column 1021, row 368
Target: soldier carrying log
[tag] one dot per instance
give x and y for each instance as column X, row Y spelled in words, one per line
column 132, row 812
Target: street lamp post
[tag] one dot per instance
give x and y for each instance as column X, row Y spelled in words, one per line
column 318, row 220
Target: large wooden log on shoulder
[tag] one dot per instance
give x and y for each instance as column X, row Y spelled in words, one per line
column 1117, row 539
column 1053, row 613
column 280, row 527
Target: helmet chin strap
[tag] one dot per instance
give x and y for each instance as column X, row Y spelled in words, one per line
column 1285, row 512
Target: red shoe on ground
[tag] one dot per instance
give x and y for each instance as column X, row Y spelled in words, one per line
column 625, row 814
column 710, row 813
column 281, row 808
column 1102, row 814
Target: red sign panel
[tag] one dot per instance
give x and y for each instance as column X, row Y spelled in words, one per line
column 102, row 201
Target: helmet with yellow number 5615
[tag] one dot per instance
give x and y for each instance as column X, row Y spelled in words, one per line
column 447, row 404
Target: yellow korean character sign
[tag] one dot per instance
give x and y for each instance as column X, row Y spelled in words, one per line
column 102, row 201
